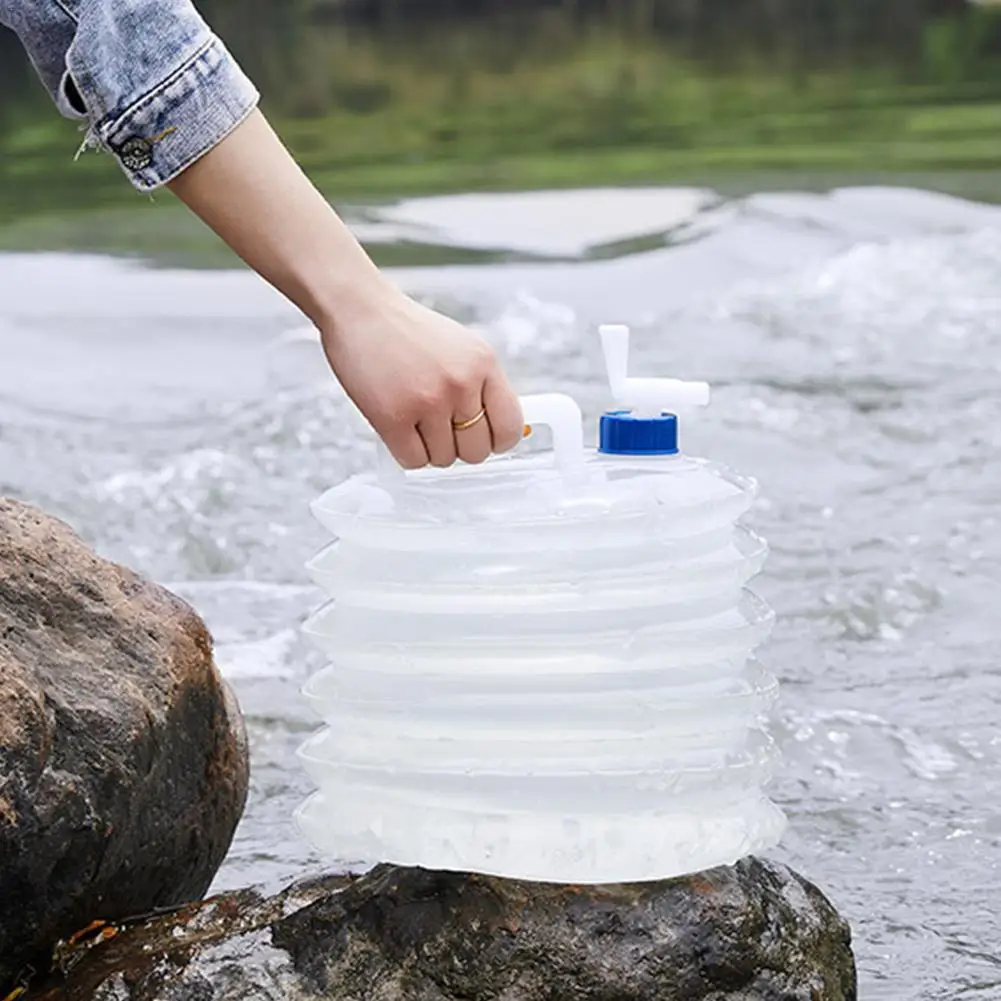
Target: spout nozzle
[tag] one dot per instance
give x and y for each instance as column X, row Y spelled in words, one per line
column 615, row 344
column 646, row 397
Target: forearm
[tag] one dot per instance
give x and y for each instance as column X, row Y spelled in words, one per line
column 251, row 192
column 159, row 90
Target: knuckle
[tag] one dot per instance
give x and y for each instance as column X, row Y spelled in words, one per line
column 468, row 378
column 425, row 400
column 484, row 354
column 457, row 383
column 484, row 362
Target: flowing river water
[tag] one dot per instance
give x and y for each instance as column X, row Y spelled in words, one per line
column 182, row 421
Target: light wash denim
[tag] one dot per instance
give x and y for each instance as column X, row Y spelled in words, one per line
column 155, row 86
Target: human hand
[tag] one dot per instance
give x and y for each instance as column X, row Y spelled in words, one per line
column 432, row 389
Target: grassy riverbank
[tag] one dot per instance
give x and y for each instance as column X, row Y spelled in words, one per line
column 372, row 120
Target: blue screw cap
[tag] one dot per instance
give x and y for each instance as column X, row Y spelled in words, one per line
column 623, row 433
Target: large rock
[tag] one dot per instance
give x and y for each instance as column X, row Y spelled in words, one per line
column 751, row 932
column 123, row 758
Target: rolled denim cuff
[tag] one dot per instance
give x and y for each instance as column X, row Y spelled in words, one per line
column 185, row 116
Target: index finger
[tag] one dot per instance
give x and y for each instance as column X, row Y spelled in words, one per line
column 504, row 413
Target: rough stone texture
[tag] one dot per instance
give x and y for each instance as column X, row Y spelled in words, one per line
column 751, row 932
column 123, row 757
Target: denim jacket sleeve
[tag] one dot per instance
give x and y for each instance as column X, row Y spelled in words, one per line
column 157, row 88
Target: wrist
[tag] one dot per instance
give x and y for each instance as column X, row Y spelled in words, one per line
column 340, row 305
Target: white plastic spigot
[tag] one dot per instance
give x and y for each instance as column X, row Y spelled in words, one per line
column 645, row 397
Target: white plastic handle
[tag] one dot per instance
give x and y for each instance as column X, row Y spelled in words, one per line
column 563, row 417
column 558, row 412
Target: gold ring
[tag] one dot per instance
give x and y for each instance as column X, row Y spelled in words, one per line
column 466, row 425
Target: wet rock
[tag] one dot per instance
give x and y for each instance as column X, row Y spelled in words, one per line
column 751, row 932
column 123, row 758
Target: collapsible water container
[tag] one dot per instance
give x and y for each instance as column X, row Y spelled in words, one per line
column 542, row 667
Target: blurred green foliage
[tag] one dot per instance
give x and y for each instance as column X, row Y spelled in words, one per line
column 385, row 97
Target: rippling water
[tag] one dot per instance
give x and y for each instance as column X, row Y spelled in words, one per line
column 183, row 421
